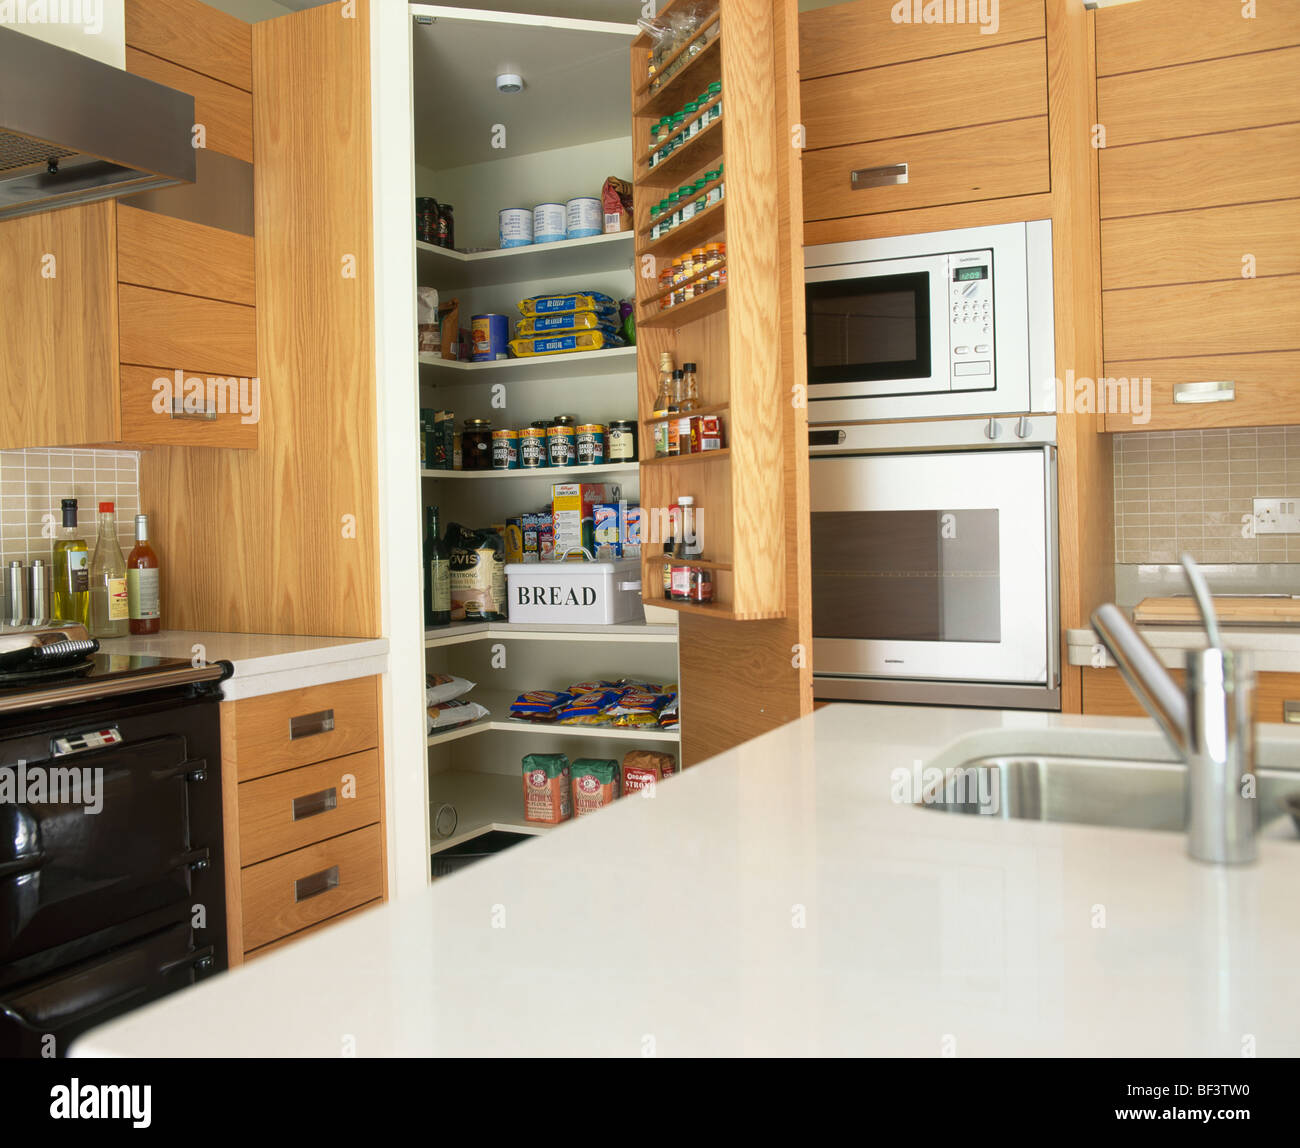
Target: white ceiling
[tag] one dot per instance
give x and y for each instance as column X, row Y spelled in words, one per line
column 457, row 104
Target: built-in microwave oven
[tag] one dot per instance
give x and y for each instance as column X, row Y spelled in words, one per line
column 953, row 323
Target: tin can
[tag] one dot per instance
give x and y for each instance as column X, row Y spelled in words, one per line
column 505, row 450
column 583, row 217
column 548, row 222
column 516, row 227
column 532, row 448
column 488, row 336
column 591, row 444
column 561, row 444
column 620, row 443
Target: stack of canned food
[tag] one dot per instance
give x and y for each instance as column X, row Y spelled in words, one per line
column 687, row 202
column 676, row 131
column 693, row 274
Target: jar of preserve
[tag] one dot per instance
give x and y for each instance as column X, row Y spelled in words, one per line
column 621, row 441
column 476, row 445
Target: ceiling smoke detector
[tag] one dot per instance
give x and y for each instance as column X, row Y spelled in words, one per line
column 509, row 82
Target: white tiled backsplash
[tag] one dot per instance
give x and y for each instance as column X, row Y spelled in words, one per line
column 1190, row 490
column 33, row 482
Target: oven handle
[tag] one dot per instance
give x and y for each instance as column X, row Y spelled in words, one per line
column 28, row 862
column 94, row 689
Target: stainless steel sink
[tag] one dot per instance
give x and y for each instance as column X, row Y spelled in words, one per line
column 1085, row 790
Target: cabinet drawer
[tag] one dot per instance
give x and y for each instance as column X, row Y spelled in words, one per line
column 985, row 162
column 1156, row 33
column 1265, row 391
column 1196, row 246
column 169, row 254
column 289, row 893
column 292, row 938
column 1104, row 692
column 1203, row 171
column 1195, row 99
column 164, row 327
column 1230, row 317
column 847, row 37
column 300, row 806
column 193, row 424
column 926, row 95
column 275, row 732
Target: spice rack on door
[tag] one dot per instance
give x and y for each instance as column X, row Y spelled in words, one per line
column 739, row 490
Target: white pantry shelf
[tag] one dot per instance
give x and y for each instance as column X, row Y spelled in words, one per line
column 483, row 801
column 446, row 269
column 499, row 719
column 461, row 632
column 558, row 473
column 535, row 369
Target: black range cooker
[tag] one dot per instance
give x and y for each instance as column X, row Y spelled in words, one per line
column 112, row 888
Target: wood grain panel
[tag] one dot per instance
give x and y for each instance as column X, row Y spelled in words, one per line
column 144, row 424
column 1197, row 246
column 267, row 826
column 1156, row 33
column 864, row 34
column 301, row 520
column 164, row 327
column 946, row 217
column 977, row 163
column 260, row 726
column 225, row 111
column 230, row 838
column 176, row 255
column 926, row 95
column 1204, row 171
column 195, row 36
column 1195, row 99
column 58, row 328
column 1267, row 391
column 1189, row 319
column 1104, row 692
column 292, row 938
column 272, row 908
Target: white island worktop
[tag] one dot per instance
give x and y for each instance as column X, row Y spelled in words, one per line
column 777, row 900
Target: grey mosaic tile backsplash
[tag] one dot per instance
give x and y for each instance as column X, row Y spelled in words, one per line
column 1190, row 490
column 33, row 482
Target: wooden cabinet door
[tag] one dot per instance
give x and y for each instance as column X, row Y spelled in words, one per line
column 58, row 328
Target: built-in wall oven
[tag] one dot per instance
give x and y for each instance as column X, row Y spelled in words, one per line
column 942, row 325
column 934, row 563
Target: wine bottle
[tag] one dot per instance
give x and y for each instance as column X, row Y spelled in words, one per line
column 437, row 573
column 142, row 577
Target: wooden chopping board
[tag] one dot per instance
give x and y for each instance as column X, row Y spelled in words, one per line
column 1260, row 611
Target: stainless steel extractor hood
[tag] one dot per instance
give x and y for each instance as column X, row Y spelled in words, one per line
column 73, row 130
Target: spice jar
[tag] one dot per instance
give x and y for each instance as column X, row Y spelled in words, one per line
column 476, row 445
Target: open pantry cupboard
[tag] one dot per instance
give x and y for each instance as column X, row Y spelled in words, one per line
column 483, row 151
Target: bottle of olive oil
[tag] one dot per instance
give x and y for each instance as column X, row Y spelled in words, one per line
column 109, row 607
column 71, row 560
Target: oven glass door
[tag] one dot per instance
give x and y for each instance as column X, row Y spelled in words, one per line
column 933, row 566
column 878, row 329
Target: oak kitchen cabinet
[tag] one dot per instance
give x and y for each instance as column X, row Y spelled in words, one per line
column 1277, row 695
column 1200, row 220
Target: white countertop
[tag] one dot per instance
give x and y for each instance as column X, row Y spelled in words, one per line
column 1275, row 648
column 264, row 663
column 776, row 900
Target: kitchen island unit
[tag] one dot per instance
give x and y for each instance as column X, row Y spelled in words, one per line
column 783, row 899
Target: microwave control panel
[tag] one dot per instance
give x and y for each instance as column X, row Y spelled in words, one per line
column 970, row 295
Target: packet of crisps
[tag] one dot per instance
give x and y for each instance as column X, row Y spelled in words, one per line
column 540, row 705
column 588, row 708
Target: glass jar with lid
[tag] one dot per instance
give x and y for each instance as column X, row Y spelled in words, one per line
column 476, row 445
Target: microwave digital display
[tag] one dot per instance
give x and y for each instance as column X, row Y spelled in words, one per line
column 966, row 274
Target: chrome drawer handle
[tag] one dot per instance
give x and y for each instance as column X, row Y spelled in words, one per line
column 314, row 804
column 309, row 725
column 891, row 173
column 1291, row 712
column 1214, row 391
column 316, row 884
column 178, row 411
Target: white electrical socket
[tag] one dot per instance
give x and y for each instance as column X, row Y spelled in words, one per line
column 1277, row 516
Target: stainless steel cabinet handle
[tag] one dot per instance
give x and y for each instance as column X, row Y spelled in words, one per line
column 314, row 804
column 178, row 411
column 1291, row 712
column 890, row 173
column 316, row 883
column 1213, row 391
column 309, row 725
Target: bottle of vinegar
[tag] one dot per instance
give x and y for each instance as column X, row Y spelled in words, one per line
column 142, row 578
column 109, row 612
